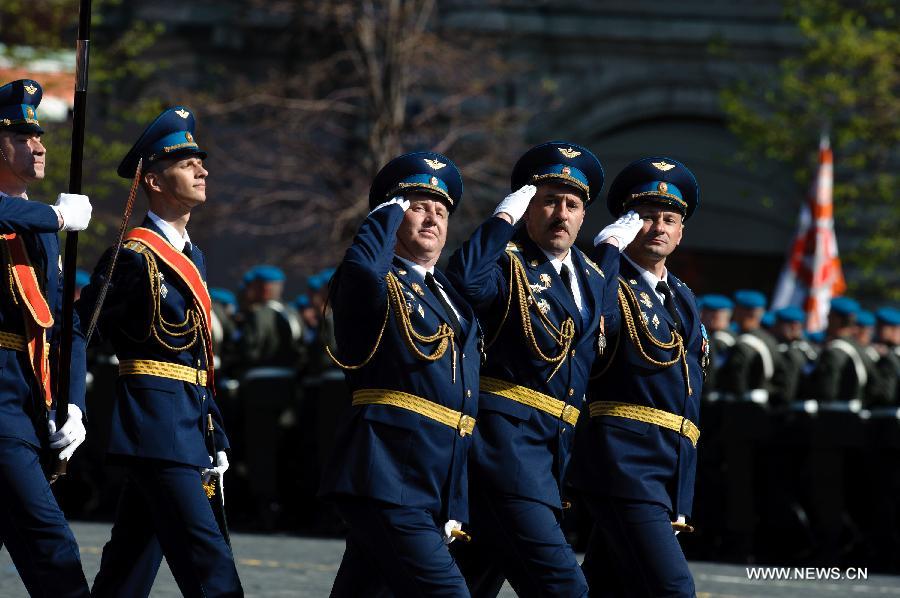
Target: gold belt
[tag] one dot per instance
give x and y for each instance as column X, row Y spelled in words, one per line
column 11, row 340
column 162, row 369
column 658, row 417
column 532, row 398
column 462, row 423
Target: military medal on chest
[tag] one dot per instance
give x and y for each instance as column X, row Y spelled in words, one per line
column 645, row 299
column 601, row 336
column 163, row 291
column 545, row 280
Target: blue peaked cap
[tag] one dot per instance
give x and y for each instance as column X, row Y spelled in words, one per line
column 19, row 101
column 562, row 162
column 656, row 180
column 171, row 135
column 430, row 173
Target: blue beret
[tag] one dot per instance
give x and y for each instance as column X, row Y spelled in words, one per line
column 844, row 306
column 171, row 135
column 19, row 101
column 267, row 273
column 327, row 273
column 223, row 296
column 768, row 319
column 562, row 162
column 888, row 315
column 791, row 313
column 865, row 318
column 658, row 180
column 421, row 172
column 315, row 282
column 715, row 302
column 816, row 337
column 302, row 301
column 749, row 298
column 82, row 278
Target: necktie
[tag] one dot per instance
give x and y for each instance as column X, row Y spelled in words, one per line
column 669, row 304
column 566, row 278
column 188, row 249
column 432, row 285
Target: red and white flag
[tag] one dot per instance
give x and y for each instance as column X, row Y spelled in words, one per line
column 813, row 274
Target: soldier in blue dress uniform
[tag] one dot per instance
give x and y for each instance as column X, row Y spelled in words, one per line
column 409, row 345
column 635, row 456
column 157, row 317
column 541, row 302
column 32, row 526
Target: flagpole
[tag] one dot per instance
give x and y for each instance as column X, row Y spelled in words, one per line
column 82, row 53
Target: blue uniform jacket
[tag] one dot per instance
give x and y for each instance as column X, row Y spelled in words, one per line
column 21, row 412
column 518, row 449
column 152, row 417
column 385, row 452
column 632, row 459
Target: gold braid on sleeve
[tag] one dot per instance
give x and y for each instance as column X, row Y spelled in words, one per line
column 638, row 329
column 443, row 336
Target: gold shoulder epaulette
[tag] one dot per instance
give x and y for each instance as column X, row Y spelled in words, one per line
column 591, row 263
column 513, row 246
column 135, row 246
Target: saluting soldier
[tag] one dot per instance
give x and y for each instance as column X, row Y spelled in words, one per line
column 635, row 455
column 409, row 345
column 157, row 317
column 541, row 301
column 32, row 526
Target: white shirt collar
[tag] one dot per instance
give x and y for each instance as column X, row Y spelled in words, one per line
column 650, row 278
column 557, row 263
column 420, row 270
column 172, row 235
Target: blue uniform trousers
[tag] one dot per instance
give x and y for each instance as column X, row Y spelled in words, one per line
column 394, row 550
column 163, row 511
column 519, row 540
column 33, row 528
column 633, row 551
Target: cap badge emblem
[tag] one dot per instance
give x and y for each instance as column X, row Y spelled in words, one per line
column 31, row 89
column 29, row 112
column 566, row 170
column 434, row 164
column 663, row 188
column 434, row 181
column 568, row 152
column 664, row 166
column 189, row 137
column 182, row 113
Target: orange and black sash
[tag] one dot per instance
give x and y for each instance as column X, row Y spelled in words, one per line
column 188, row 272
column 36, row 311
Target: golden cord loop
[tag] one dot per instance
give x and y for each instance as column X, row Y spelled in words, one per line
column 628, row 302
column 396, row 303
column 562, row 336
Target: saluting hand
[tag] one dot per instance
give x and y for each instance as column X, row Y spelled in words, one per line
column 70, row 436
column 73, row 211
column 622, row 231
column 398, row 200
column 515, row 204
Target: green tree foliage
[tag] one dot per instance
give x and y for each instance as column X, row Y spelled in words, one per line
column 33, row 30
column 845, row 80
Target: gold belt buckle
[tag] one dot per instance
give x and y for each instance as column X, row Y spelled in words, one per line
column 466, row 425
column 567, row 412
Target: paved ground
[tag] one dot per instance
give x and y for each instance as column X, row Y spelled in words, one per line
column 272, row 566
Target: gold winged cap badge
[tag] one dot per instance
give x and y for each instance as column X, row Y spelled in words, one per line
column 182, row 113
column 568, row 152
column 664, row 166
column 435, row 164
column 31, row 89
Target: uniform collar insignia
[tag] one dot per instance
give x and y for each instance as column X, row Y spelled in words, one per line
column 418, row 289
column 545, row 279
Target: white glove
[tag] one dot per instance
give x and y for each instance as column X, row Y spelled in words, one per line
column 217, row 471
column 399, row 200
column 451, row 526
column 624, row 230
column 515, row 204
column 70, row 436
column 74, row 210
